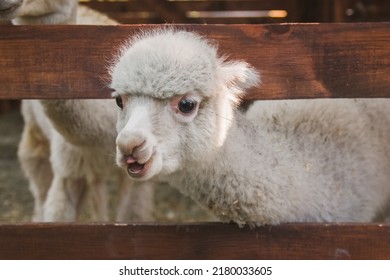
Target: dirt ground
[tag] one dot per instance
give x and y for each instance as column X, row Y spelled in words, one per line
column 16, row 202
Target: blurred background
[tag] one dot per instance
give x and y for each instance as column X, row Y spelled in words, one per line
column 16, row 203
column 242, row 11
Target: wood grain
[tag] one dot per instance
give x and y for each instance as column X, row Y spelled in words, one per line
column 215, row 5
column 157, row 11
column 194, row 241
column 295, row 60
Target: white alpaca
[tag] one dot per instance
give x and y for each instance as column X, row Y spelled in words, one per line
column 66, row 145
column 284, row 161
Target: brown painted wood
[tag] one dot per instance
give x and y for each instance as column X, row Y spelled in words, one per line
column 295, row 60
column 217, row 5
column 194, row 241
column 152, row 11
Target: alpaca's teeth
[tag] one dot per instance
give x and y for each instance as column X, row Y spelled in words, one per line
column 135, row 167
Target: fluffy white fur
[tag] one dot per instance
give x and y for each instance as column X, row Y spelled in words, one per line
column 282, row 161
column 66, row 146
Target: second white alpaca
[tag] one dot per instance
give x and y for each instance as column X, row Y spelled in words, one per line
column 66, row 145
column 295, row 161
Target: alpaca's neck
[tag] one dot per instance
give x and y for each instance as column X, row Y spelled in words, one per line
column 47, row 13
column 80, row 121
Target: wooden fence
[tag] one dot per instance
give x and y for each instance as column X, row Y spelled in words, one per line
column 295, row 61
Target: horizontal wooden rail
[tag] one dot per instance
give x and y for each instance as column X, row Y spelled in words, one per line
column 236, row 5
column 295, row 60
column 194, row 241
column 162, row 11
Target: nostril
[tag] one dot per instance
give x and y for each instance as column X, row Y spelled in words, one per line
column 130, row 143
column 133, row 154
column 138, row 149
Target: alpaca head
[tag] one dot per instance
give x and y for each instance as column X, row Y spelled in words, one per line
column 176, row 99
column 38, row 11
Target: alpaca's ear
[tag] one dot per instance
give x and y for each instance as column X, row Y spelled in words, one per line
column 239, row 76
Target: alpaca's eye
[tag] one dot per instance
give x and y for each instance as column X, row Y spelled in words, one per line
column 187, row 105
column 119, row 102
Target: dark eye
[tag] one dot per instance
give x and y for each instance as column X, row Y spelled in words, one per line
column 119, row 102
column 187, row 105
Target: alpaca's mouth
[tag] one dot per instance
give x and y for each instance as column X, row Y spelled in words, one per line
column 136, row 169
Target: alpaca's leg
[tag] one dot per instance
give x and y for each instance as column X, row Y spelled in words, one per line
column 69, row 187
column 135, row 201
column 33, row 154
column 65, row 198
column 39, row 185
column 98, row 190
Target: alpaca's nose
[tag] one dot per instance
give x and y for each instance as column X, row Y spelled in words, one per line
column 138, row 150
column 130, row 144
column 136, row 140
column 135, row 146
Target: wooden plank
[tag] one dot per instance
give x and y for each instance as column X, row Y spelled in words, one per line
column 178, row 11
column 295, row 60
column 235, row 5
column 194, row 241
column 218, row 5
